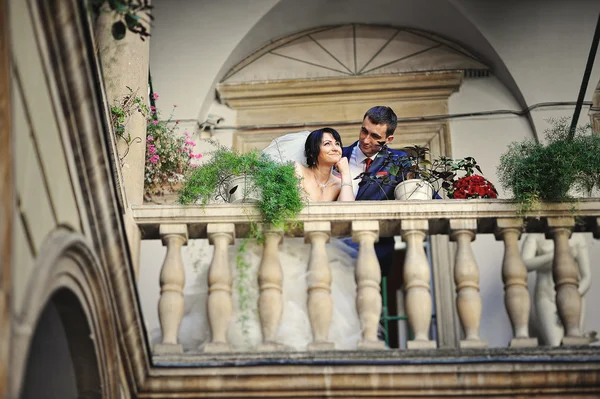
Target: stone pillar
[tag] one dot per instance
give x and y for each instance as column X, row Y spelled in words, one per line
column 417, row 279
column 220, row 304
column 566, row 280
column 125, row 64
column 466, row 277
column 595, row 110
column 172, row 280
column 514, row 276
column 320, row 307
column 368, row 280
column 270, row 282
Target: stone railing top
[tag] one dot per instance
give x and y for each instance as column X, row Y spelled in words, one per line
column 389, row 214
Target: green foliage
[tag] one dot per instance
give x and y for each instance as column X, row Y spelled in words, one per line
column 121, row 112
column 242, row 286
column 129, row 13
column 280, row 191
column 169, row 156
column 441, row 172
column 534, row 171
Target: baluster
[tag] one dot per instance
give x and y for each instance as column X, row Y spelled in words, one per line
column 270, row 302
column 219, row 304
column 172, row 280
column 466, row 277
column 566, row 280
column 514, row 276
column 368, row 280
column 319, row 284
column 417, row 279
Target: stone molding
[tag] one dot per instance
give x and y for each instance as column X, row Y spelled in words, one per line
column 388, row 213
column 7, row 199
column 379, row 89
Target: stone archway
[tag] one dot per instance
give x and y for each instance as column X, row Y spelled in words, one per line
column 62, row 360
column 68, row 299
column 329, row 76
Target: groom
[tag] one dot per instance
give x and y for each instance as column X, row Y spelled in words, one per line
column 368, row 155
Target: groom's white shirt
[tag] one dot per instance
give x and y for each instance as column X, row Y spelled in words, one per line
column 357, row 166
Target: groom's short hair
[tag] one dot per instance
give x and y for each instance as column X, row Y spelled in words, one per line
column 312, row 146
column 382, row 115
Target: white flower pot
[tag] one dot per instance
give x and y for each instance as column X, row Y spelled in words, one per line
column 413, row 189
column 242, row 189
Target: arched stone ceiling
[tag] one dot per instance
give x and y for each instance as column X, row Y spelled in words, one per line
column 354, row 50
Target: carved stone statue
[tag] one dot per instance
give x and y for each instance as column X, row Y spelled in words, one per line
column 538, row 253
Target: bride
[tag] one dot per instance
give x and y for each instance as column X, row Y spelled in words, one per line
column 325, row 176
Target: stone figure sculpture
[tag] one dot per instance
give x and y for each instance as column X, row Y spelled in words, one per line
column 538, row 254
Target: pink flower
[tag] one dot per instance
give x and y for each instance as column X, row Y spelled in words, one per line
column 150, row 138
column 198, row 156
column 154, row 158
column 155, row 122
column 152, row 108
column 155, row 96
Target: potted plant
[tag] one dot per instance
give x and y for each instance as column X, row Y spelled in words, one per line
column 422, row 177
column 552, row 171
column 274, row 187
column 418, row 176
column 169, row 155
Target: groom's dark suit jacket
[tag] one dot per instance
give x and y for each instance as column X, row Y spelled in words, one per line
column 371, row 191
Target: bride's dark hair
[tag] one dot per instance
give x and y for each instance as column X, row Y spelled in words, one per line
column 312, row 146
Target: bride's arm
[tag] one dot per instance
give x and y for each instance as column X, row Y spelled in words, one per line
column 346, row 192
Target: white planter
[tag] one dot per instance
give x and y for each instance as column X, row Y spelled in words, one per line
column 242, row 189
column 413, row 189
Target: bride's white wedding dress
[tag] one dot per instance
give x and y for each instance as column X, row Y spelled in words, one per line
column 294, row 332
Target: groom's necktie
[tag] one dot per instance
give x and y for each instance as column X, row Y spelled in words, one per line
column 367, row 163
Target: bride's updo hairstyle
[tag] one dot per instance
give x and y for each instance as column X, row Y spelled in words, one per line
column 312, row 146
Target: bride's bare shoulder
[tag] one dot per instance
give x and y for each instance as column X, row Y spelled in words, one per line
column 301, row 170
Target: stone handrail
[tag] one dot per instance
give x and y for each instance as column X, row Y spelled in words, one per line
column 365, row 221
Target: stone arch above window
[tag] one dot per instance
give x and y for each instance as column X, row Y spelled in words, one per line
column 354, row 50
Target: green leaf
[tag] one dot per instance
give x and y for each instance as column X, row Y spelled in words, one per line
column 119, row 30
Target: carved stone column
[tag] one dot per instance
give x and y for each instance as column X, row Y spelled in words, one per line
column 320, row 306
column 125, row 64
column 172, row 280
column 219, row 304
column 466, row 277
column 417, row 280
column 566, row 280
column 270, row 281
column 514, row 276
column 368, row 280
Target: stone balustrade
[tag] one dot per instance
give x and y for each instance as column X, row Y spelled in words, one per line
column 365, row 222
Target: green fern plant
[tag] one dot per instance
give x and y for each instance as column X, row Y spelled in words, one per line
column 280, row 199
column 548, row 172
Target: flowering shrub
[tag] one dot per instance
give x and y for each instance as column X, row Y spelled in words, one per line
column 169, row 156
column 473, row 186
column 470, row 185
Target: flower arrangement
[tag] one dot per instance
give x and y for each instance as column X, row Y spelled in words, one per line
column 470, row 185
column 442, row 173
column 169, row 156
